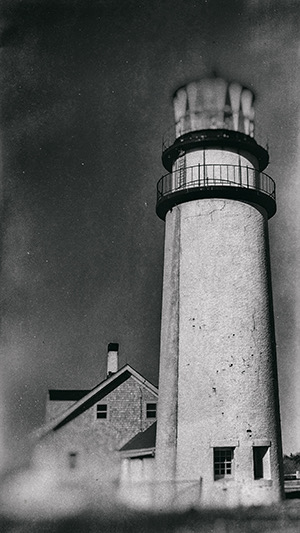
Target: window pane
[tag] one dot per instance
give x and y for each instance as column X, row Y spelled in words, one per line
column 101, row 411
column 151, row 410
column 223, row 462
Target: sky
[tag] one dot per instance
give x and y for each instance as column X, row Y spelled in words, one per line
column 85, row 99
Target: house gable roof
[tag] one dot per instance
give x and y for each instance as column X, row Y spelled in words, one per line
column 93, row 396
column 141, row 444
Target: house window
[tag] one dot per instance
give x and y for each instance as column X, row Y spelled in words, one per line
column 261, row 462
column 223, row 462
column 72, row 460
column 101, row 410
column 151, row 410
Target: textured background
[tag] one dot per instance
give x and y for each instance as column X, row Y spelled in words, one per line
column 85, row 99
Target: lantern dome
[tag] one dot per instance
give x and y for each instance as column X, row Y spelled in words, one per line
column 214, row 103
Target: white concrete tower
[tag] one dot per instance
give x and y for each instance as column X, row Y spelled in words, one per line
column 218, row 434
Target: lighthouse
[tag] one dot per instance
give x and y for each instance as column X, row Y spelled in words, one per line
column 218, row 430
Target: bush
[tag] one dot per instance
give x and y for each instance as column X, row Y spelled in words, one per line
column 291, row 463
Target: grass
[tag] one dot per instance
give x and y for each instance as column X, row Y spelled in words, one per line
column 283, row 518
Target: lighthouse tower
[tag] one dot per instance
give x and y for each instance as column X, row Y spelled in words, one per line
column 218, row 434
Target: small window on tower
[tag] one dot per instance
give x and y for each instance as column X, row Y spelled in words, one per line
column 101, row 410
column 261, row 462
column 151, row 410
column 223, row 462
column 181, row 174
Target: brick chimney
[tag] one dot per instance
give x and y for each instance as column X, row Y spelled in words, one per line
column 112, row 358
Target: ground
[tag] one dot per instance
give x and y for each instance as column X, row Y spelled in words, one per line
column 284, row 518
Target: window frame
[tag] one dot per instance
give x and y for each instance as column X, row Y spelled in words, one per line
column 223, row 468
column 261, row 462
column 150, row 410
column 72, row 460
column 181, row 169
column 104, row 411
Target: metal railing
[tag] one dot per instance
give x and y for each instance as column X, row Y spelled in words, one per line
column 205, row 176
column 169, row 495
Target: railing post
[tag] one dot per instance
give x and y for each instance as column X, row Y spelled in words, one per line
column 240, row 174
column 198, row 174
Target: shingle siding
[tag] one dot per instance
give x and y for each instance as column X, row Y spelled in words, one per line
column 56, row 408
column 96, row 458
column 127, row 408
column 85, row 434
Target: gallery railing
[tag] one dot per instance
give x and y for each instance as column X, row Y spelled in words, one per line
column 215, row 175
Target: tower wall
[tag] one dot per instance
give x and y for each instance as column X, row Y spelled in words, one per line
column 211, row 156
column 218, row 368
